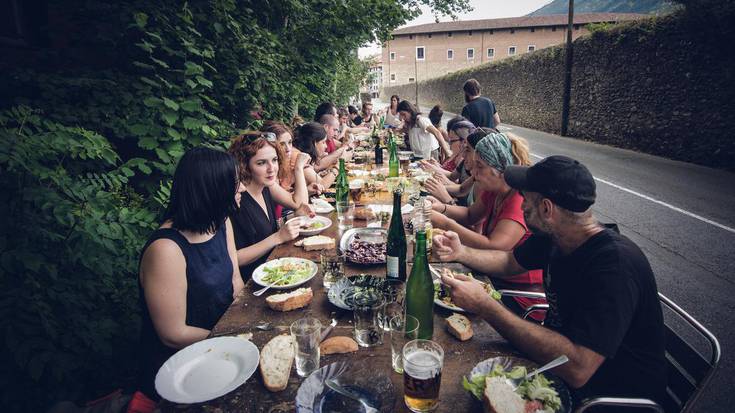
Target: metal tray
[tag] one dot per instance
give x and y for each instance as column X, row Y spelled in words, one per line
column 372, row 234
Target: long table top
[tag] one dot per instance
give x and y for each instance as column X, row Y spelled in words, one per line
column 247, row 311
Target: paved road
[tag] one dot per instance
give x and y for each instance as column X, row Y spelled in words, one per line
column 683, row 217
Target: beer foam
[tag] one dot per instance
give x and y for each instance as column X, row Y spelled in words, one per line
column 422, row 365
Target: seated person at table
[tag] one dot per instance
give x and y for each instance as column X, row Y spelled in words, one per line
column 458, row 130
column 504, row 227
column 255, row 224
column 311, row 139
column 344, row 126
column 330, row 124
column 355, row 118
column 286, row 176
column 325, row 108
column 604, row 312
column 367, row 117
column 424, row 139
column 188, row 273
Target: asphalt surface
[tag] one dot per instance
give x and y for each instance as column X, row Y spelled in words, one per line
column 683, row 218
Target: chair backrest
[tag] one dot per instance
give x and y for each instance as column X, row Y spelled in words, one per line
column 688, row 372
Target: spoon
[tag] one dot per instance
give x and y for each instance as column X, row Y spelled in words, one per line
column 350, row 394
column 550, row 365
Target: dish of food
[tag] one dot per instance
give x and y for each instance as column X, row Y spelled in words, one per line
column 312, row 226
column 544, row 393
column 285, row 272
column 343, row 293
column 365, row 245
column 442, row 298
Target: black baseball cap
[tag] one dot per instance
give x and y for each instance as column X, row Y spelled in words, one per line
column 563, row 180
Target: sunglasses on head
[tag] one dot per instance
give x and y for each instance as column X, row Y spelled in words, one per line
column 254, row 136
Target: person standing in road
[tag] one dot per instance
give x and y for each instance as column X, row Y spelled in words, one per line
column 479, row 110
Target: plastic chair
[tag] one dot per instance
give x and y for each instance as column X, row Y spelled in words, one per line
column 688, row 372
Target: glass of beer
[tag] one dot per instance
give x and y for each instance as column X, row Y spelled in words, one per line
column 356, row 190
column 422, row 374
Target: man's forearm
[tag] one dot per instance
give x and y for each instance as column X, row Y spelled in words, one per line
column 486, row 261
column 328, row 161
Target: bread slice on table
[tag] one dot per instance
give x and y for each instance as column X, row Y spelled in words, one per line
column 276, row 359
column 334, row 345
column 290, row 301
column 499, row 397
column 460, row 326
column 318, row 242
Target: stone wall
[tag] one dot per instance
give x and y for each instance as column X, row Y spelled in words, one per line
column 664, row 86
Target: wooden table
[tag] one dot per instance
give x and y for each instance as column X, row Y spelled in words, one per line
column 247, row 311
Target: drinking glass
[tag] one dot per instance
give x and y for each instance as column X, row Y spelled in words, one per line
column 402, row 330
column 345, row 214
column 306, row 333
column 394, row 292
column 367, row 310
column 422, row 374
column 356, row 190
column 332, row 268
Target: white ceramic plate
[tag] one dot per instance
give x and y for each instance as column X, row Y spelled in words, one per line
column 207, row 369
column 258, row 274
column 326, row 223
column 321, row 206
column 441, row 303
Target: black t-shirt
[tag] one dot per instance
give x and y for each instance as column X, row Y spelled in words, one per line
column 480, row 112
column 603, row 296
column 250, row 225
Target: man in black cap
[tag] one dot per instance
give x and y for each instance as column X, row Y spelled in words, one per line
column 604, row 312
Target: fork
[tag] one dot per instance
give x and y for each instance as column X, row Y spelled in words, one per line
column 266, row 288
column 348, row 393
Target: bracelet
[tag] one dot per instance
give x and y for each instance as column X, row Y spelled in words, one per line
column 445, row 209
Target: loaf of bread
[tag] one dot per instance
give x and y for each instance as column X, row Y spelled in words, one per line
column 276, row 360
column 460, row 326
column 499, row 397
column 335, row 345
column 318, row 242
column 290, row 301
column 364, row 213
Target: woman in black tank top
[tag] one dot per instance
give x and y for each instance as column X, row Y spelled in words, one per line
column 188, row 268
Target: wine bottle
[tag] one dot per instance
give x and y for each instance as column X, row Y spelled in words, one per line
column 396, row 247
column 378, row 153
column 342, row 187
column 420, row 290
column 393, row 163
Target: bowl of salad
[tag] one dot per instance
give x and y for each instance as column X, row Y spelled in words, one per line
column 543, row 393
column 284, row 272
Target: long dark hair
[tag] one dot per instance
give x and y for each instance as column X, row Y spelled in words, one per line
column 203, row 191
column 325, row 108
column 306, row 136
column 407, row 106
column 398, row 100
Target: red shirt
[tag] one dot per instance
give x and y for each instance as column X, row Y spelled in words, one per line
column 331, row 146
column 510, row 209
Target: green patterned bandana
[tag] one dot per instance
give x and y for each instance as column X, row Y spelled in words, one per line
column 495, row 149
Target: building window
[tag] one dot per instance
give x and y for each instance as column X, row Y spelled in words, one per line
column 512, row 31
column 429, row 35
column 553, row 29
column 392, row 55
column 531, row 47
column 411, row 80
column 470, row 54
column 392, row 77
column 410, row 37
column 449, row 34
column 420, row 50
column 511, row 51
column 450, row 54
column 491, row 31
column 576, row 27
column 533, row 29
column 469, row 33
column 490, row 53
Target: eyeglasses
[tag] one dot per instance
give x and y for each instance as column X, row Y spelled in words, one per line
column 254, row 136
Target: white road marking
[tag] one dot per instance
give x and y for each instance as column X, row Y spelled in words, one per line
column 656, row 201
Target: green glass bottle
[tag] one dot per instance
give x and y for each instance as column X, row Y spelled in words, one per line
column 420, row 290
column 393, row 163
column 396, row 247
column 342, row 187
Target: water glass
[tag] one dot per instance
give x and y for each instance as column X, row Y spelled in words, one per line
column 402, row 330
column 345, row 214
column 422, row 374
column 367, row 310
column 332, row 268
column 306, row 334
column 394, row 293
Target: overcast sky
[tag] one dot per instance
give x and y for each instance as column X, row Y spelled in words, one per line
column 483, row 9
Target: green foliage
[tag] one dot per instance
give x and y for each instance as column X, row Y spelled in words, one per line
column 90, row 135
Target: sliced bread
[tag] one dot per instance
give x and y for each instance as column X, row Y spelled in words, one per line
column 334, row 345
column 290, row 301
column 460, row 326
column 318, row 242
column 499, row 397
column 276, row 359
